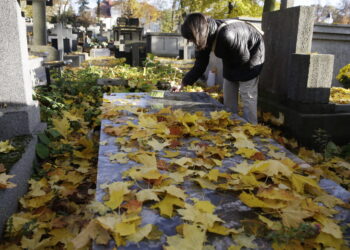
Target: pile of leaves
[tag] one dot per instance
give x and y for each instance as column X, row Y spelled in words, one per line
column 290, row 205
column 103, row 61
column 62, row 188
column 60, row 201
column 340, row 95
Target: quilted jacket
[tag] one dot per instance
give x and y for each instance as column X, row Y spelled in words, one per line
column 239, row 45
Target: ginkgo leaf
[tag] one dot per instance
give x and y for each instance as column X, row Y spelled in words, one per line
column 146, row 195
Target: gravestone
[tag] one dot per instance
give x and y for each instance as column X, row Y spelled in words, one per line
column 229, row 207
column 39, row 29
column 287, row 4
column 164, row 44
column 19, row 114
column 296, row 82
column 100, row 52
column 37, row 71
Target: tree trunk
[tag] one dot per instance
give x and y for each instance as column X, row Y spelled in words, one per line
column 269, row 5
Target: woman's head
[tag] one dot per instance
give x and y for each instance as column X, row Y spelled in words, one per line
column 195, row 28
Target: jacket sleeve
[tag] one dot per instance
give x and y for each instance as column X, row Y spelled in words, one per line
column 200, row 65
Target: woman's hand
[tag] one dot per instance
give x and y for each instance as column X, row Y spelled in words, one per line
column 177, row 88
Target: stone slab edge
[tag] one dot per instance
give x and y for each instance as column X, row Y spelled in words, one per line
column 22, row 170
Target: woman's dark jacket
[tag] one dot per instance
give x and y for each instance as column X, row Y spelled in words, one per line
column 239, row 45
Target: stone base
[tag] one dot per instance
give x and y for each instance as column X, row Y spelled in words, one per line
column 22, row 171
column 302, row 125
column 19, row 120
column 50, row 52
column 76, row 60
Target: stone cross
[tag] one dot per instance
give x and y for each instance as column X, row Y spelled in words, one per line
column 287, row 4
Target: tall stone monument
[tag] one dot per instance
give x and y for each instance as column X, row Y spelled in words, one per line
column 297, row 82
column 19, row 114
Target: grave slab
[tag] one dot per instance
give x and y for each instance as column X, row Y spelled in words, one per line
column 229, row 207
column 100, row 52
column 76, row 60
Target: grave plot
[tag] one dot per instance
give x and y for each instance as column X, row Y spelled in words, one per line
column 180, row 172
column 296, row 82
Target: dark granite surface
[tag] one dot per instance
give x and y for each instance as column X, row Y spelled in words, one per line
column 229, row 207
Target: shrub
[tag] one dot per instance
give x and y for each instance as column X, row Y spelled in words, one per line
column 344, row 76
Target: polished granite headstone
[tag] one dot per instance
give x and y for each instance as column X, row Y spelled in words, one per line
column 229, row 207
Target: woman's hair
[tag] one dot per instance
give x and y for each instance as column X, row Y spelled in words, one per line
column 195, row 28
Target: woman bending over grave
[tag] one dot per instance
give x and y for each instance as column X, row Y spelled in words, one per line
column 240, row 45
